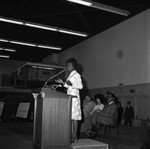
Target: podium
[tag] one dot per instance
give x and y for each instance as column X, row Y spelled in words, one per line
column 52, row 119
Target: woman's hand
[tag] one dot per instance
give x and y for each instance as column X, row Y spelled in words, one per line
column 59, row 81
column 98, row 110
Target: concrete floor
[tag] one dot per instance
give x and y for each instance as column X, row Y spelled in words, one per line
column 21, row 138
column 12, row 140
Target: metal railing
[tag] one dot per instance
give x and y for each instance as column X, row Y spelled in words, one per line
column 7, row 80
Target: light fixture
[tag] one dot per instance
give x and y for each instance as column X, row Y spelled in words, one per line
column 31, row 44
column 101, row 7
column 9, row 50
column 4, row 40
column 11, row 21
column 41, row 27
column 72, row 33
column 23, row 43
column 4, row 56
column 45, row 27
column 48, row 47
column 6, row 49
column 82, row 2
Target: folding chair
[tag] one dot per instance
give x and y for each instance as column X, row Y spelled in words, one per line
column 104, row 128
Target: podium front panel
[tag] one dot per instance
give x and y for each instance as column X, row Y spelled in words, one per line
column 56, row 121
column 53, row 121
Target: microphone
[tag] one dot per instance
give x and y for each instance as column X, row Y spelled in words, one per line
column 54, row 76
column 54, row 87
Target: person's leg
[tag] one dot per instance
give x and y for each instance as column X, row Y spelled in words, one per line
column 74, row 129
column 130, row 123
column 94, row 119
column 125, row 122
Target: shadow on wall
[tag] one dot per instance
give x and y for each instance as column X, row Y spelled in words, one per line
column 80, row 69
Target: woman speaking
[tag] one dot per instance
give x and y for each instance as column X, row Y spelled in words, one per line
column 73, row 84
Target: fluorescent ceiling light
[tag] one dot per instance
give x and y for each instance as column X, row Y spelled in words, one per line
column 45, row 27
column 86, row 3
column 111, row 9
column 41, row 27
column 31, row 44
column 11, row 21
column 4, row 40
column 73, row 33
column 4, row 56
column 23, row 43
column 101, row 7
column 48, row 47
column 9, row 50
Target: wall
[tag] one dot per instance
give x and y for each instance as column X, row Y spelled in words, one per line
column 51, row 59
column 105, row 67
column 99, row 54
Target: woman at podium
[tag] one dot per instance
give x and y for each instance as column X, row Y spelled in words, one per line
column 73, row 84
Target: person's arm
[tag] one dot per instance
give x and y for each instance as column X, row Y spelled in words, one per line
column 94, row 109
column 111, row 114
column 101, row 107
column 76, row 83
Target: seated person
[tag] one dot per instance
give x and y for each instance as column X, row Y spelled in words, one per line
column 107, row 115
column 88, row 106
column 100, row 101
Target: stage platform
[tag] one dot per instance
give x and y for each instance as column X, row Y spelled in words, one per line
column 89, row 144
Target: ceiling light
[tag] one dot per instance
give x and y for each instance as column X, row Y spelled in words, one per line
column 4, row 40
column 48, row 47
column 23, row 43
column 73, row 33
column 11, row 21
column 4, row 56
column 9, row 50
column 41, row 27
column 45, row 27
column 101, row 7
column 86, row 3
column 31, row 44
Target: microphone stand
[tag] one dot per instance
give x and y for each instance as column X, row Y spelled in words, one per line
column 45, row 84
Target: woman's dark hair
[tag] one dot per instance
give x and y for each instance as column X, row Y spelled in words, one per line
column 73, row 61
column 101, row 97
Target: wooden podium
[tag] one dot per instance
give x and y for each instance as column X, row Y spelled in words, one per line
column 52, row 119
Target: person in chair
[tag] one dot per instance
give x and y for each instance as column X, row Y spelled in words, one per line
column 107, row 115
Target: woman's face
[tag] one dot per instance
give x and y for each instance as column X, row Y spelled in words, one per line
column 98, row 100
column 70, row 67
